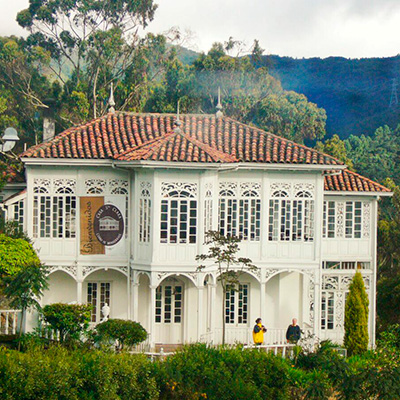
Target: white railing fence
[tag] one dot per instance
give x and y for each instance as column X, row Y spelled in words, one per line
column 9, row 320
column 273, row 336
column 143, row 347
column 285, row 350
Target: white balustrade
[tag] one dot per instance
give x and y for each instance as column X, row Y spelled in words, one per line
column 273, row 336
column 9, row 321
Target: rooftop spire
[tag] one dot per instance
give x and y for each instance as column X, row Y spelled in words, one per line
column 219, row 113
column 111, row 101
column 177, row 122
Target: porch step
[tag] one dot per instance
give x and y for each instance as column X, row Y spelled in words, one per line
column 167, row 348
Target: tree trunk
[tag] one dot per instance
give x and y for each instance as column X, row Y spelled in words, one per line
column 23, row 312
column 223, row 315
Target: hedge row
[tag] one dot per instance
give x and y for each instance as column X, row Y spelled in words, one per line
column 197, row 372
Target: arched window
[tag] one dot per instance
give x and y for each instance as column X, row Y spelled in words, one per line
column 178, row 213
column 279, row 216
column 208, row 211
column 303, row 217
column 291, row 219
column 144, row 212
column 240, row 210
column 54, row 208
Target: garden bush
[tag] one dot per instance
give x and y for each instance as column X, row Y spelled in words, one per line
column 71, row 375
column 70, row 320
column 15, row 254
column 125, row 332
column 198, row 371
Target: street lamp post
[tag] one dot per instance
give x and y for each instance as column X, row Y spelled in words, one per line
column 9, row 140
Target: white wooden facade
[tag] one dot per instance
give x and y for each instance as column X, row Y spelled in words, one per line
column 306, row 241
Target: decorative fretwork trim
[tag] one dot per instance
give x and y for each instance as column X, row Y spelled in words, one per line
column 179, row 189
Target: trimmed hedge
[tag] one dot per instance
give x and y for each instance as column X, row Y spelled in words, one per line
column 60, row 374
column 197, row 372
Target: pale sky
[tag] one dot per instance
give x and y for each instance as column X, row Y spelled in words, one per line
column 297, row 28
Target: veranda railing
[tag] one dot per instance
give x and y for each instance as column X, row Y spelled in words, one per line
column 9, row 320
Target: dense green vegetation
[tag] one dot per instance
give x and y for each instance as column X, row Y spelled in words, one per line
column 354, row 92
column 199, row 372
column 15, row 254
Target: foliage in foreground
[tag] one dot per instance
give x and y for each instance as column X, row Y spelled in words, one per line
column 126, row 333
column 199, row 372
column 72, row 375
column 15, row 254
column 70, row 320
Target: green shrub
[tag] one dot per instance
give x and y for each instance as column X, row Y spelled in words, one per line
column 356, row 317
column 72, row 375
column 15, row 254
column 390, row 338
column 70, row 320
column 127, row 333
column 198, row 372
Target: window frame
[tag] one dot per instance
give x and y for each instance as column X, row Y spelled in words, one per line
column 236, row 314
column 178, row 217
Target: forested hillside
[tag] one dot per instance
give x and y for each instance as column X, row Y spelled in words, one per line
column 354, row 92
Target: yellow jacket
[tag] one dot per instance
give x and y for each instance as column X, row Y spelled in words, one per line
column 258, row 334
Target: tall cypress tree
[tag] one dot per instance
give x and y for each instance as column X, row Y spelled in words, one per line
column 356, row 317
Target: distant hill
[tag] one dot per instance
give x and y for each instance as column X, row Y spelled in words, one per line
column 354, row 92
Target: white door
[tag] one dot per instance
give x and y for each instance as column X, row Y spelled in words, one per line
column 169, row 312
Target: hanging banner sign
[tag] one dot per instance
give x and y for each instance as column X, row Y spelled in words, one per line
column 88, row 208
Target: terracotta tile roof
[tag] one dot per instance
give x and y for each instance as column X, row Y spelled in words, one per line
column 13, row 175
column 349, row 181
column 203, row 138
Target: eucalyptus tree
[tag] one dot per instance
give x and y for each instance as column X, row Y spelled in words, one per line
column 91, row 42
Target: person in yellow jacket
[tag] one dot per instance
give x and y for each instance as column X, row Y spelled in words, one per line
column 258, row 332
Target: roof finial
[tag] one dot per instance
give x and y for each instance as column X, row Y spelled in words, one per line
column 219, row 113
column 178, row 122
column 111, row 101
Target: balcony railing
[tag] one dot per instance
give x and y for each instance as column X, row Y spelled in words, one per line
column 9, row 320
column 273, row 336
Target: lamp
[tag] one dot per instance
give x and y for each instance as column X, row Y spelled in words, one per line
column 9, row 139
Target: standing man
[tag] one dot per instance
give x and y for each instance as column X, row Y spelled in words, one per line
column 293, row 332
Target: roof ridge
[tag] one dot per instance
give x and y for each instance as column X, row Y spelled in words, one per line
column 222, row 156
column 157, row 142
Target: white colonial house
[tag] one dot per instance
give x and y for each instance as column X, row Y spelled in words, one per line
column 118, row 209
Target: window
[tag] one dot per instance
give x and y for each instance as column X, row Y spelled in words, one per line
column 98, row 293
column 352, row 265
column 240, row 214
column 144, row 215
column 208, row 212
column 169, row 303
column 327, row 310
column 353, row 217
column 291, row 219
column 236, row 305
column 178, row 215
column 54, row 216
column 19, row 213
column 329, row 219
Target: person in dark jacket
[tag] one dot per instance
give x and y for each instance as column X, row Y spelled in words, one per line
column 293, row 332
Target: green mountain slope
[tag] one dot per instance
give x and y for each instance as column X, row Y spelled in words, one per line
column 354, row 92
